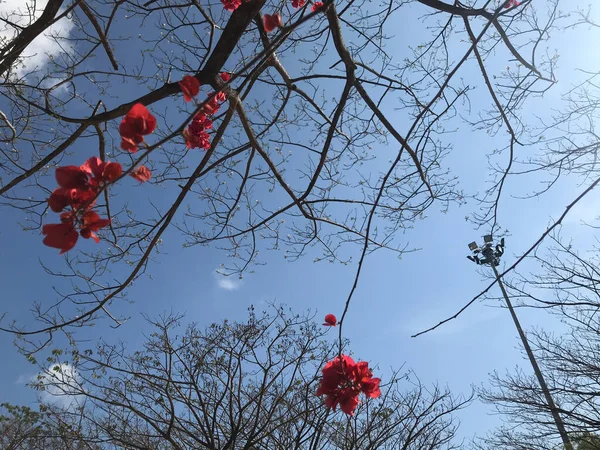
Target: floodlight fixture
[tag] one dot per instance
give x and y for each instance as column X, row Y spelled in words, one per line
column 473, row 246
column 488, row 238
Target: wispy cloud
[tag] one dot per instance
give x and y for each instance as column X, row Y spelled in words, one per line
column 476, row 317
column 23, row 379
column 228, row 283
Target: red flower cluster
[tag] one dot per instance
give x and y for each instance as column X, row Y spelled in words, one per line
column 195, row 134
column 190, row 86
column 330, row 320
column 298, row 3
column 317, row 6
column 511, row 3
column 225, row 76
column 136, row 124
column 78, row 189
column 272, row 21
column 141, row 173
column 343, row 380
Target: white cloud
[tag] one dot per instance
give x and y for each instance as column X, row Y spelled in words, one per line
column 59, row 385
column 44, row 47
column 229, row 283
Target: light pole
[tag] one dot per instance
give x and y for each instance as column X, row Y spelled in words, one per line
column 490, row 255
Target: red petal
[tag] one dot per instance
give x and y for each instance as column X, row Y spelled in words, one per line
column 60, row 235
column 71, row 177
column 112, row 171
column 150, row 124
column 59, row 199
column 190, row 86
column 138, row 110
column 268, row 23
column 93, row 222
column 349, row 401
column 94, row 166
column 371, row 387
column 141, row 173
column 87, row 233
column 130, row 144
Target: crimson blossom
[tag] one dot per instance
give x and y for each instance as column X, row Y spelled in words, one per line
column 343, row 380
column 330, row 320
column 195, row 134
column 136, row 124
column 317, row 6
column 141, row 173
column 511, row 3
column 78, row 189
column 190, row 86
column 271, row 22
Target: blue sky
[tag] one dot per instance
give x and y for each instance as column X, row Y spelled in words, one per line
column 395, row 297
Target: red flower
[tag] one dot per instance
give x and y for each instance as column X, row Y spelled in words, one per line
column 195, row 134
column 343, row 380
column 196, row 137
column 137, row 123
column 330, row 320
column 60, row 235
column 317, row 6
column 190, row 86
column 231, row 5
column 511, row 3
column 225, row 76
column 272, row 21
column 298, row 3
column 92, row 222
column 334, row 372
column 141, row 173
column 80, row 185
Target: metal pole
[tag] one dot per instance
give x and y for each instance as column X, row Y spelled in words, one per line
column 538, row 373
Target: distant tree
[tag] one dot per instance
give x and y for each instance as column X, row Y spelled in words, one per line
column 568, row 286
column 242, row 386
column 17, row 425
column 588, row 442
column 22, row 428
